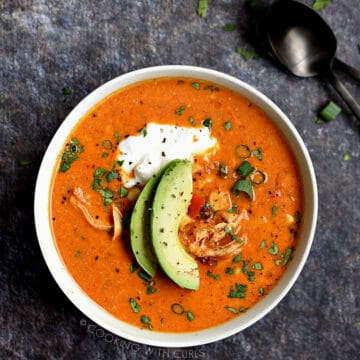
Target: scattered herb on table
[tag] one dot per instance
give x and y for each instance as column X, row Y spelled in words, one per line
column 247, row 54
column 25, row 162
column 66, row 91
column 330, row 111
column 320, row 4
column 346, row 157
column 229, row 27
column 202, row 8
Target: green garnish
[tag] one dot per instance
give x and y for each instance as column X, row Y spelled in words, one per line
column 224, row 170
column 202, row 8
column 262, row 244
column 111, row 175
column 177, row 309
column 66, row 91
column 257, row 177
column 190, row 316
column 107, row 144
column 273, row 249
column 133, row 267
column 257, row 266
column 287, row 256
column 237, row 258
column 231, row 309
column 196, row 85
column 72, row 149
column 243, row 186
column 227, row 125
column 247, row 54
column 238, row 292
column 297, row 217
column 150, row 290
column 145, row 276
column 230, row 231
column 77, row 253
column 346, row 157
column 261, row 291
column 117, row 136
column 207, row 123
column 257, row 153
column 104, row 155
column 25, row 162
column 277, row 262
column 211, row 88
column 245, row 169
column 330, row 111
column 143, row 131
column 244, row 268
column 191, row 120
column 273, row 211
column 251, row 275
column 229, row 271
column 145, row 319
column 242, row 151
column 233, row 209
column 107, row 195
column 180, row 110
column 215, row 277
column 229, row 27
column 136, row 308
column 320, row 4
column 123, row 191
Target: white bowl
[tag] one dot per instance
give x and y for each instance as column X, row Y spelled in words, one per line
column 97, row 314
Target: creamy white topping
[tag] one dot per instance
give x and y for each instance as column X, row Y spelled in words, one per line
column 144, row 154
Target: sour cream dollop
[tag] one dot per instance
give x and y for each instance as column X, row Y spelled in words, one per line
column 157, row 144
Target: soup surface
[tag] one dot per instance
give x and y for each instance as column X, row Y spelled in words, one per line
column 241, row 226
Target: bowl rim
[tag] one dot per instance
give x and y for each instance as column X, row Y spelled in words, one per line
column 91, row 309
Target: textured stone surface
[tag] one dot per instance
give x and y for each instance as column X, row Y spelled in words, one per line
column 47, row 45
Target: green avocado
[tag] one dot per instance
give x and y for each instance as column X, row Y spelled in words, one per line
column 170, row 205
column 140, row 235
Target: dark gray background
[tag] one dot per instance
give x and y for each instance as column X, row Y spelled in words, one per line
column 47, row 45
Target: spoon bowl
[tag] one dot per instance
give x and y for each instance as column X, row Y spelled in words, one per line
column 301, row 40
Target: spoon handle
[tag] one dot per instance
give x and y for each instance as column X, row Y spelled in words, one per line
column 354, row 73
column 341, row 89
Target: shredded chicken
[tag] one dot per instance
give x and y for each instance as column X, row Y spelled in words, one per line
column 216, row 237
column 79, row 201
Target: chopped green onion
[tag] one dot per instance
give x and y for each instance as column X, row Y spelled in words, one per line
column 134, row 306
column 273, row 211
column 237, row 258
column 262, row 244
column 191, row 120
column 207, row 123
column 231, row 309
column 180, row 110
column 287, row 257
column 320, row 4
column 258, row 177
column 229, row 271
column 257, row 153
column 196, row 85
column 143, row 275
column 330, row 111
column 244, row 186
column 145, row 319
column 239, row 292
column 242, row 151
column 245, row 169
column 261, row 291
column 202, row 8
column 177, row 309
column 190, row 316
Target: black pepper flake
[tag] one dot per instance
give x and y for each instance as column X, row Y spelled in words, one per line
column 96, row 257
column 126, row 136
column 164, row 140
column 117, row 270
column 162, row 230
column 96, row 217
column 163, row 154
column 53, row 218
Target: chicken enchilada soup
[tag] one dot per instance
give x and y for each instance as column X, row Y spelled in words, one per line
column 176, row 204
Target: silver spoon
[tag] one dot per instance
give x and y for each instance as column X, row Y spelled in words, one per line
column 300, row 39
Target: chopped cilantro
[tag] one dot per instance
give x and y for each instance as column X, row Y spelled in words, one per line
column 190, row 316
column 257, row 153
column 262, row 244
column 72, row 149
column 257, row 266
column 231, row 309
column 273, row 211
column 238, row 292
column 180, row 110
column 196, row 85
column 287, row 256
column 245, row 169
column 191, row 120
column 237, row 258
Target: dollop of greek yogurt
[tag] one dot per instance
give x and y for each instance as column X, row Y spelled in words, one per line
column 157, row 144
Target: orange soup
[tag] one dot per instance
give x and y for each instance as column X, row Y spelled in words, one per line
column 241, row 223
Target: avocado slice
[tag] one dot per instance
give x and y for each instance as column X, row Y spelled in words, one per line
column 140, row 235
column 170, row 205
